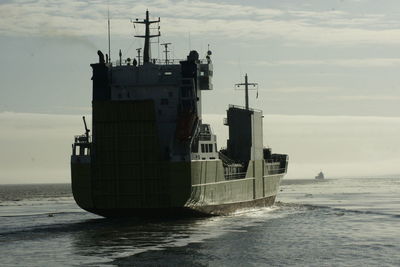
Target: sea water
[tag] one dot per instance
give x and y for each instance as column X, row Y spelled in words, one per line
column 333, row 222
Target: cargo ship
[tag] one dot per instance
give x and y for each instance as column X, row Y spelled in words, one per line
column 320, row 176
column 149, row 152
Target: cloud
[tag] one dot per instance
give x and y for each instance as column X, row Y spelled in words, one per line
column 366, row 97
column 348, row 62
column 304, row 89
column 316, row 27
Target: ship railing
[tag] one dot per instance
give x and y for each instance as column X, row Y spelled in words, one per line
column 275, row 171
column 82, row 139
column 225, row 158
column 233, row 176
column 174, row 61
column 81, row 146
column 272, row 160
column 241, row 175
column 154, row 61
column 167, row 62
column 205, row 137
column 241, row 107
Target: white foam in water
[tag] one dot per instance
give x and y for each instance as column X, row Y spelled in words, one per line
column 209, row 228
column 255, row 211
column 199, row 232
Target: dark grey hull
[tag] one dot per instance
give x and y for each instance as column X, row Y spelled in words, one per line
column 199, row 211
column 191, row 189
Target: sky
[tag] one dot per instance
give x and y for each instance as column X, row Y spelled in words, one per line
column 328, row 75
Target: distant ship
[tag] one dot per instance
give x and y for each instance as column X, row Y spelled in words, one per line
column 151, row 154
column 320, row 176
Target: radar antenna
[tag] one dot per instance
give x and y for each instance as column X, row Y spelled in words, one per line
column 138, row 55
column 109, row 39
column 246, row 88
column 166, row 52
column 147, row 36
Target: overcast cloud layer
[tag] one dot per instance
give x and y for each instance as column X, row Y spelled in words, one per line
column 309, row 57
column 296, row 23
column 329, row 68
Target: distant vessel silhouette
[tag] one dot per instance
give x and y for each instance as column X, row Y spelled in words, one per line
column 320, row 176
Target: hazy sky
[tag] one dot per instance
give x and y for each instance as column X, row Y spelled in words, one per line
column 328, row 74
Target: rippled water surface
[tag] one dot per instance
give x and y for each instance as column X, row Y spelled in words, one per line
column 336, row 222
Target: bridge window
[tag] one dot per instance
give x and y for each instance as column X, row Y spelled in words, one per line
column 207, row 148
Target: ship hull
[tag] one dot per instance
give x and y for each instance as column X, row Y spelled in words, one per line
column 207, row 194
column 198, row 211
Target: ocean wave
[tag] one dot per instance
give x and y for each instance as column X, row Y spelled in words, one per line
column 36, row 201
column 155, row 234
column 48, row 214
column 31, row 225
column 339, row 211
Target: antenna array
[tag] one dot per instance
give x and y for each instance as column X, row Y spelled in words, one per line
column 246, row 88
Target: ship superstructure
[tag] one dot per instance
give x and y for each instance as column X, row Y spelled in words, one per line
column 320, row 176
column 150, row 153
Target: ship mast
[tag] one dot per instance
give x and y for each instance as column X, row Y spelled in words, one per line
column 246, row 88
column 166, row 52
column 147, row 36
column 109, row 40
column 138, row 55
